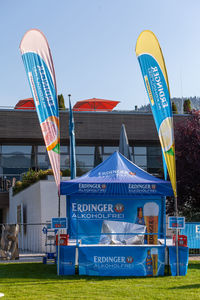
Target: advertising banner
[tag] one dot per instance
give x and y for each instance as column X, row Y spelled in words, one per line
column 154, row 73
column 192, row 231
column 115, row 221
column 39, row 67
column 122, row 261
column 183, row 254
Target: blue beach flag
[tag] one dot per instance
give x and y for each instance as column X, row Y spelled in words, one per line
column 72, row 143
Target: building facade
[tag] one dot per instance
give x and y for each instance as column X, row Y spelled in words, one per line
column 97, row 136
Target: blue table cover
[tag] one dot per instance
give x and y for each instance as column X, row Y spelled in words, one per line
column 67, row 260
column 122, row 260
column 183, row 256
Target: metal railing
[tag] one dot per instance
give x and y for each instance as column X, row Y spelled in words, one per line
column 27, row 238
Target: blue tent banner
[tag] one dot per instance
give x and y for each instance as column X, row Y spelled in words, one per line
column 90, row 217
column 118, row 261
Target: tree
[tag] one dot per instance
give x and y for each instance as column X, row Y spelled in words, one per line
column 61, row 101
column 174, row 108
column 97, row 156
column 187, row 144
column 187, row 106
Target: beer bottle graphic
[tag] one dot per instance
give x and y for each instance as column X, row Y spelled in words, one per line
column 140, row 217
column 149, row 264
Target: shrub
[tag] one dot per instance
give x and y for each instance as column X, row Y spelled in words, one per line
column 30, row 178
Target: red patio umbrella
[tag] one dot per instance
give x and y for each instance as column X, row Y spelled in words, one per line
column 95, row 104
column 25, row 104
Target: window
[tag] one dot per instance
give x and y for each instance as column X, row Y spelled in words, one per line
column 110, row 150
column 85, row 150
column 16, row 149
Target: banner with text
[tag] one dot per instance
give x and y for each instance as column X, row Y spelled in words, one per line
column 122, row 261
column 39, row 67
column 154, row 73
column 115, row 221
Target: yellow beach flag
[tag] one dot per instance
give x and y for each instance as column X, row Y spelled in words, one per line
column 154, row 73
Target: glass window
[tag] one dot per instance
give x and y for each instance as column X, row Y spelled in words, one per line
column 16, row 149
column 110, row 150
column 85, row 150
column 16, row 161
column 9, row 173
column 105, row 157
column 154, row 151
column 141, row 161
column 43, row 161
column 64, row 161
column 140, row 150
column 85, row 160
column 154, row 162
column 42, row 149
column 63, row 149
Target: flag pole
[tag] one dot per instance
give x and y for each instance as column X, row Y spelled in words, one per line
column 72, row 142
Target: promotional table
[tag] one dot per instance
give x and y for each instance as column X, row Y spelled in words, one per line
column 113, row 260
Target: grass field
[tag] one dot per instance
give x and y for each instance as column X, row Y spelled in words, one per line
column 25, row 281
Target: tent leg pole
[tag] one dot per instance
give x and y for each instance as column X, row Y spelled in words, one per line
column 177, row 256
column 58, row 205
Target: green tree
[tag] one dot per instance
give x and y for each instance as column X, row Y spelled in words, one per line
column 187, row 139
column 174, row 108
column 61, row 101
column 187, row 106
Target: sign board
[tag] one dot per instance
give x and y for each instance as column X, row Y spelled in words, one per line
column 176, row 222
column 59, row 223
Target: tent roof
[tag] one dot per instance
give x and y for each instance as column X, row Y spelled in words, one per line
column 117, row 176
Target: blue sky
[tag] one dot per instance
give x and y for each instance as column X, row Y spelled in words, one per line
column 93, row 46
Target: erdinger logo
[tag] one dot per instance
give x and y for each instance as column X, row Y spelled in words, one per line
column 103, row 186
column 131, row 173
column 129, row 260
column 119, row 207
column 153, row 186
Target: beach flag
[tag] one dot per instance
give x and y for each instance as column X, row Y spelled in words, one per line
column 154, row 73
column 39, row 68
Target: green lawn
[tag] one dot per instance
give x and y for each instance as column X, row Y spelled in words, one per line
column 37, row 281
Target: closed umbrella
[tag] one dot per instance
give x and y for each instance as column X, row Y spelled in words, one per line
column 123, row 143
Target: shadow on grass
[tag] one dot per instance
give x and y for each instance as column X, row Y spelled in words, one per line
column 194, row 265
column 39, row 271
column 48, row 273
column 189, row 286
